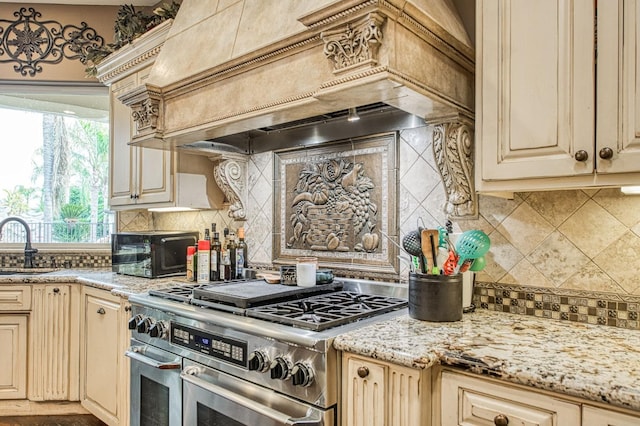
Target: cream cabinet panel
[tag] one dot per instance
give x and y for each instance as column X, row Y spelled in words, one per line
column 377, row 393
column 13, row 356
column 592, row 416
column 15, row 298
column 53, row 343
column 536, row 74
column 123, row 161
column 104, row 370
column 364, row 393
column 138, row 176
column 469, row 401
column 618, row 86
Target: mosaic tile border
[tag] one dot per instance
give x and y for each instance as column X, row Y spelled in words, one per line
column 67, row 260
column 599, row 308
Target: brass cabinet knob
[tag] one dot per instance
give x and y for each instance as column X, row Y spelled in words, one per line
column 363, row 372
column 501, row 420
column 101, row 311
column 581, row 155
column 606, row 153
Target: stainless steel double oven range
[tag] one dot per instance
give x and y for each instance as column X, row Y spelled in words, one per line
column 246, row 353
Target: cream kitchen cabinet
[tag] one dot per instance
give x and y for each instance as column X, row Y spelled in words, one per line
column 53, row 343
column 138, row 176
column 376, row 393
column 104, row 369
column 548, row 117
column 594, row 416
column 470, row 401
column 147, row 177
column 15, row 304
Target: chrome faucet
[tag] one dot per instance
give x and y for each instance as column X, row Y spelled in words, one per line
column 28, row 250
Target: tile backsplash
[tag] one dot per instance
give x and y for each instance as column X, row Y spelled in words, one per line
column 585, row 240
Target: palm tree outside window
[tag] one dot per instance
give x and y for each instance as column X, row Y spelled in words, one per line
column 54, row 165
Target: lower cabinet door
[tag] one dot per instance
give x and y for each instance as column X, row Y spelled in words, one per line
column 13, row 356
column 365, row 393
column 470, row 401
column 592, row 416
column 377, row 393
column 101, row 358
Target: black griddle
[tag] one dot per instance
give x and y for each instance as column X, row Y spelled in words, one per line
column 245, row 294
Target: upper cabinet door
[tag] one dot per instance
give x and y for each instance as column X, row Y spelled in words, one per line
column 535, row 72
column 618, row 86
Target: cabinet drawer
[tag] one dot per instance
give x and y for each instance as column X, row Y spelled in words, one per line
column 592, row 416
column 15, row 298
column 472, row 401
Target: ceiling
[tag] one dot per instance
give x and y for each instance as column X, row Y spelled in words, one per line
column 95, row 2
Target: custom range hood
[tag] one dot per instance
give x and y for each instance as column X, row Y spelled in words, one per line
column 232, row 67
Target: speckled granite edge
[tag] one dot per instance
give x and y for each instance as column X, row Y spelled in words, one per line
column 119, row 285
column 587, row 361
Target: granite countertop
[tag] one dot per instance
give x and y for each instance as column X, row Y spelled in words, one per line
column 119, row 285
column 595, row 362
column 599, row 363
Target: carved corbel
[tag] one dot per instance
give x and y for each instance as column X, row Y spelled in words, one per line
column 453, row 150
column 230, row 173
column 355, row 44
column 146, row 109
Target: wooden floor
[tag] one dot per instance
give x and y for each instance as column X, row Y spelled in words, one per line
column 76, row 420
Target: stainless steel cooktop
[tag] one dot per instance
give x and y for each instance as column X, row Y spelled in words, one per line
column 313, row 308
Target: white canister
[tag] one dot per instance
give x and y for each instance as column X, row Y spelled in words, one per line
column 306, row 271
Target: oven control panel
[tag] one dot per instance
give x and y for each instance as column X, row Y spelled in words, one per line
column 224, row 348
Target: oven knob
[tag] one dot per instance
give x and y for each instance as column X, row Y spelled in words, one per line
column 144, row 325
column 301, row 374
column 133, row 322
column 259, row 361
column 279, row 368
column 159, row 329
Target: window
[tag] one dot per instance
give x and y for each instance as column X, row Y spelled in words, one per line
column 55, row 163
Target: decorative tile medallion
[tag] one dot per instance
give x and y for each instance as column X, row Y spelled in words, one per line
column 335, row 203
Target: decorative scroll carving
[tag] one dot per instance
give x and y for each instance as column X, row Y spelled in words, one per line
column 145, row 114
column 30, row 43
column 146, row 109
column 230, row 174
column 332, row 208
column 355, row 44
column 453, row 152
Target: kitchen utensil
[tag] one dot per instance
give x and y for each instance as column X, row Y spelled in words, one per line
column 428, row 243
column 471, row 245
column 395, row 244
column 449, row 225
column 413, row 245
column 478, row 264
column 449, row 265
column 442, row 237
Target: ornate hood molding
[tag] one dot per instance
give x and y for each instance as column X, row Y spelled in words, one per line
column 223, row 72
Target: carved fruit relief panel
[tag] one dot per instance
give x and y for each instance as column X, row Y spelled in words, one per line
column 334, row 201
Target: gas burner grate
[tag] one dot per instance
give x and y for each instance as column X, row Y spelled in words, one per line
column 179, row 293
column 326, row 311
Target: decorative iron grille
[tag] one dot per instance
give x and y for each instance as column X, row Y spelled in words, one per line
column 29, row 42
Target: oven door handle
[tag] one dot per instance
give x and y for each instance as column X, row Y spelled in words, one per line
column 136, row 353
column 313, row 418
